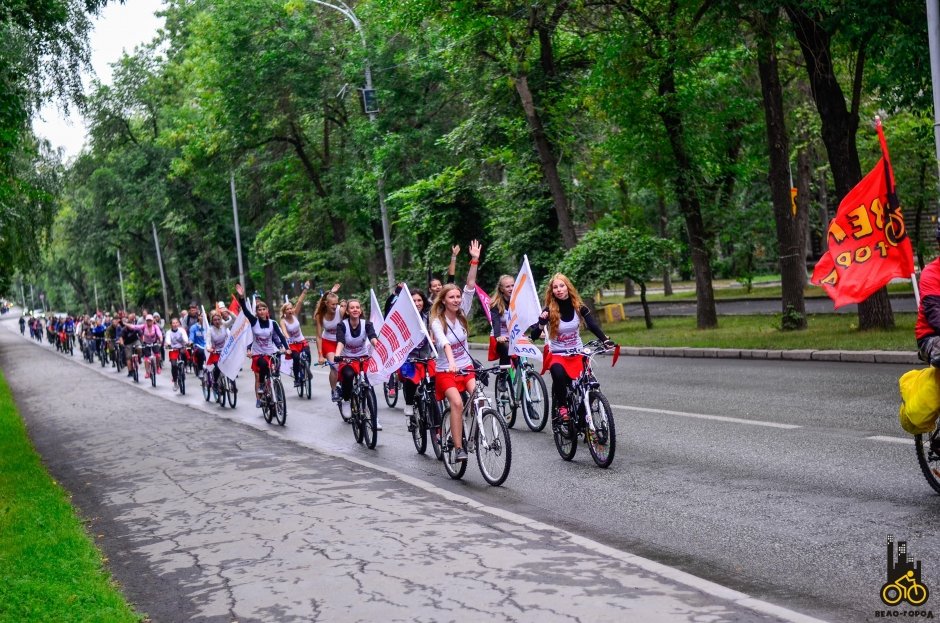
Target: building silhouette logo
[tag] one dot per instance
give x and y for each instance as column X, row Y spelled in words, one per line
column 904, row 583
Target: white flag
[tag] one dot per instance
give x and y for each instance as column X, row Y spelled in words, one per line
column 375, row 312
column 401, row 333
column 232, row 356
column 205, row 330
column 524, row 310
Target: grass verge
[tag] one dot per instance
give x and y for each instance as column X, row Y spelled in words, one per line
column 740, row 292
column 49, row 568
column 825, row 332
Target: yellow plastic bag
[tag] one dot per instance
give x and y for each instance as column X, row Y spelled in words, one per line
column 920, row 400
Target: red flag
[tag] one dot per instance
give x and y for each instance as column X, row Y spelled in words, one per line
column 485, row 302
column 868, row 243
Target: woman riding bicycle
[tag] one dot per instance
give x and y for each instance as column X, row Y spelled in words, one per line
column 353, row 337
column 329, row 314
column 563, row 314
column 176, row 342
column 449, row 329
column 499, row 333
column 290, row 326
column 268, row 339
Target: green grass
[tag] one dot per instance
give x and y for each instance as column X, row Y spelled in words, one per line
column 740, row 292
column 825, row 332
column 49, row 568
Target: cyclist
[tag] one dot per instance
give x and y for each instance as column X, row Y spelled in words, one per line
column 197, row 339
column 111, row 335
column 218, row 335
column 268, row 339
column 176, row 341
column 927, row 328
column 70, row 329
column 290, row 326
column 409, row 373
column 151, row 335
column 563, row 314
column 97, row 332
column 499, row 333
column 329, row 314
column 130, row 339
column 353, row 337
column 449, row 329
column 22, row 325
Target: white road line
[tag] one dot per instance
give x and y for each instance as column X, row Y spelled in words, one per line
column 904, row 440
column 702, row 416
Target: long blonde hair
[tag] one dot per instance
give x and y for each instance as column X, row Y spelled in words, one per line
column 554, row 313
column 320, row 314
column 437, row 309
column 496, row 298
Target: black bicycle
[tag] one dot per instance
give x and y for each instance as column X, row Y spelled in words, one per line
column 303, row 382
column 363, row 406
column 273, row 402
column 426, row 421
column 521, row 386
column 179, row 364
column 391, row 389
column 589, row 414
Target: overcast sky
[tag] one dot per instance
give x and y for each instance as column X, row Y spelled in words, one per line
column 120, row 27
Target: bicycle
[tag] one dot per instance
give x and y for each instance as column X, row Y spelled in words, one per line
column 273, row 402
column 426, row 421
column 484, row 433
column 363, row 405
column 927, row 447
column 391, row 388
column 100, row 351
column 892, row 593
column 179, row 364
column 88, row 350
column 589, row 412
column 149, row 357
column 229, row 389
column 69, row 345
column 522, row 386
column 303, row 382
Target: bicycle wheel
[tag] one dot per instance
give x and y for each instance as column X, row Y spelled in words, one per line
column 308, row 380
column 494, row 456
column 370, row 431
column 602, row 442
column 418, row 426
column 535, row 407
column 231, row 393
column 454, row 469
column 390, row 389
column 434, row 427
column 927, row 446
column 153, row 372
column 503, row 400
column 566, row 437
column 299, row 383
column 355, row 415
column 181, row 380
column 267, row 408
column 207, row 385
column 280, row 402
column 137, row 372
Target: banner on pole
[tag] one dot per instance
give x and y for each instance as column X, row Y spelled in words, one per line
column 524, row 310
column 375, row 312
column 401, row 333
column 232, row 356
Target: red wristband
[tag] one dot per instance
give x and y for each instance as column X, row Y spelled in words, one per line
column 474, row 262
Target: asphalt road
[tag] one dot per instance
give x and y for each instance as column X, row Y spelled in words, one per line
column 788, row 495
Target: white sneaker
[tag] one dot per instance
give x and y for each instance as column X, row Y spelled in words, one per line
column 378, row 425
column 175, row 387
column 409, row 410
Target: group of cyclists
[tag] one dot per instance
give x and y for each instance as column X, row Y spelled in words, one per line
column 345, row 337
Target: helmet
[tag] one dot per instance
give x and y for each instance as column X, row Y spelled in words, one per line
column 149, row 317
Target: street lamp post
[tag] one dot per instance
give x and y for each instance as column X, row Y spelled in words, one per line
column 342, row 7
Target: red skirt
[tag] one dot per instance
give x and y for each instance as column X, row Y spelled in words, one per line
column 573, row 364
column 174, row 355
column 353, row 364
column 327, row 346
column 491, row 354
column 213, row 359
column 444, row 380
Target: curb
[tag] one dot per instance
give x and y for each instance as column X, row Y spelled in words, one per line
column 844, row 356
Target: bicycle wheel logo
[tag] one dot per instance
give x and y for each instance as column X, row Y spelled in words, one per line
column 904, row 579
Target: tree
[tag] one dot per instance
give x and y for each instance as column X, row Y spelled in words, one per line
column 609, row 256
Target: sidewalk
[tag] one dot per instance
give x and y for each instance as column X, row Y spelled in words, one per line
column 204, row 519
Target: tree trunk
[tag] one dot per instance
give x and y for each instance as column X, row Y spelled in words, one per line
column 663, row 227
column 839, row 128
column 646, row 306
column 686, row 186
column 804, row 172
column 790, row 234
column 547, row 161
column 628, row 288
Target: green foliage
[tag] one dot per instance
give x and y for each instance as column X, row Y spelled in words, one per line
column 611, row 256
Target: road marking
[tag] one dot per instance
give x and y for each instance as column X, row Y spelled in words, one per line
column 681, row 577
column 703, row 416
column 904, row 440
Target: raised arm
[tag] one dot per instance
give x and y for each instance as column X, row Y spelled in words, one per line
column 300, row 299
column 452, row 268
column 240, row 295
column 475, row 249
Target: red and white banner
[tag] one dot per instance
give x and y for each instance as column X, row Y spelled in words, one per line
column 868, row 242
column 401, row 333
column 232, row 356
column 524, row 310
